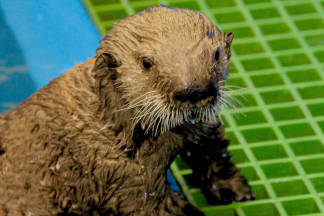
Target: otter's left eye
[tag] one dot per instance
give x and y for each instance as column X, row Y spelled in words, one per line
column 217, row 54
column 147, row 63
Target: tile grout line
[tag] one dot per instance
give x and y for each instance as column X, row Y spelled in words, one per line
column 321, row 13
column 129, row 8
column 94, row 17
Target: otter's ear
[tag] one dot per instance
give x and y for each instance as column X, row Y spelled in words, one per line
column 105, row 60
column 105, row 65
column 228, row 37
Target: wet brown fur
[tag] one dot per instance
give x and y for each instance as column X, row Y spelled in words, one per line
column 74, row 147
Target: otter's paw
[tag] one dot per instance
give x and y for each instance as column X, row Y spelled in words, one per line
column 225, row 191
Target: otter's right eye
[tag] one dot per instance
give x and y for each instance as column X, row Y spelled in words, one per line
column 147, row 63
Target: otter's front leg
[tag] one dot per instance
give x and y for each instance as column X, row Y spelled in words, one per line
column 214, row 172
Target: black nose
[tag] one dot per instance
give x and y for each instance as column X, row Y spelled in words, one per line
column 196, row 93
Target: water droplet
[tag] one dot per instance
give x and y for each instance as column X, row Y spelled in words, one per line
column 224, row 155
column 193, row 121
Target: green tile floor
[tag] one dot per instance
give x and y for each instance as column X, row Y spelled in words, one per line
column 278, row 139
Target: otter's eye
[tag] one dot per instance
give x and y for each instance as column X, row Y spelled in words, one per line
column 147, row 63
column 217, row 54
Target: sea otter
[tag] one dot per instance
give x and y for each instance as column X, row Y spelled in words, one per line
column 99, row 139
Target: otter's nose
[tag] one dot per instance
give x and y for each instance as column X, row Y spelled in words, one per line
column 196, row 93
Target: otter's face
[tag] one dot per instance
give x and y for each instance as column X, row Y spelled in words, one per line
column 172, row 66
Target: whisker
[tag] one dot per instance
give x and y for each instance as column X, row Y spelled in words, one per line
column 227, row 104
column 236, row 111
column 142, row 97
column 139, row 102
column 233, row 99
column 243, row 97
column 234, row 88
column 154, row 114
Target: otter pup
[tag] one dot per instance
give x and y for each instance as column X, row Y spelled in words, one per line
column 99, row 139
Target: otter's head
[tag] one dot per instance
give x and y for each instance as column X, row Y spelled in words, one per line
column 168, row 65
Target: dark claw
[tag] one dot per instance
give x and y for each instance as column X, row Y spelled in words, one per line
column 241, row 199
column 245, row 198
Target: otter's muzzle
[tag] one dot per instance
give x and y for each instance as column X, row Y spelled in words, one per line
column 196, row 93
